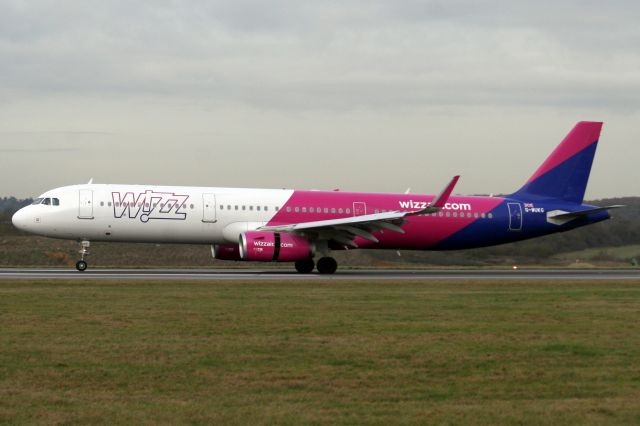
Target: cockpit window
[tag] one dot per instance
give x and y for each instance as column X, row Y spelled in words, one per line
column 46, row 201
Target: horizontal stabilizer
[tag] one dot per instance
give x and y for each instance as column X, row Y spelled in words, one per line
column 560, row 217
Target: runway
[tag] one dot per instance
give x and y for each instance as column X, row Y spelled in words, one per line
column 345, row 274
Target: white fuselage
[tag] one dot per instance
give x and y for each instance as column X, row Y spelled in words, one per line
column 140, row 213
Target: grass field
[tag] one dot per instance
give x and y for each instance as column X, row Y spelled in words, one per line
column 321, row 352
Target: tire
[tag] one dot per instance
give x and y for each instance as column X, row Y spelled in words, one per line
column 305, row 266
column 81, row 265
column 327, row 265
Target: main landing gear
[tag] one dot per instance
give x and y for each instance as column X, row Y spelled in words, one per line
column 305, row 266
column 81, row 265
column 325, row 265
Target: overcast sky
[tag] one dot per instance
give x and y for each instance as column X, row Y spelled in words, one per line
column 358, row 95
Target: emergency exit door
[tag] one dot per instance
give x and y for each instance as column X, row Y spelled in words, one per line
column 515, row 216
column 359, row 208
column 85, row 206
column 209, row 208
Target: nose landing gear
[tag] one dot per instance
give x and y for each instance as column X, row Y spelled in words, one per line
column 81, row 265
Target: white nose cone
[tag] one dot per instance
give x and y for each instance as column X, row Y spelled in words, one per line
column 20, row 219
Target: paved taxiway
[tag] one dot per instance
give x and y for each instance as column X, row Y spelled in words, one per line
column 345, row 274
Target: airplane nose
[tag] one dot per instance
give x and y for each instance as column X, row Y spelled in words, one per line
column 20, row 219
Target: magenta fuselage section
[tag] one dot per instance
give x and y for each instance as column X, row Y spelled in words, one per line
column 464, row 222
column 421, row 231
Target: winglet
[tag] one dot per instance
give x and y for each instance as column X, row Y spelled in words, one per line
column 438, row 202
column 441, row 199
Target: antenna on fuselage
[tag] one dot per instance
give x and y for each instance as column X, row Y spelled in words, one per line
column 90, row 181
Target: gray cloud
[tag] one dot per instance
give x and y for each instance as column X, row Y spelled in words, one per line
column 329, row 54
column 334, row 76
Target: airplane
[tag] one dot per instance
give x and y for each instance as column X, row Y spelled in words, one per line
column 283, row 225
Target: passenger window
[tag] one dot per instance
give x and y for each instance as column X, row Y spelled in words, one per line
column 101, row 203
column 348, row 211
column 288, row 209
column 326, row 210
column 236, row 207
column 266, row 208
column 244, row 207
column 251, row 208
column 333, row 210
column 221, row 207
column 258, row 208
column 277, row 208
column 311, row 210
column 296, row 209
column 304, row 210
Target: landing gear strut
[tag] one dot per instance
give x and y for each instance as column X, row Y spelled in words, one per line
column 305, row 266
column 81, row 265
column 327, row 265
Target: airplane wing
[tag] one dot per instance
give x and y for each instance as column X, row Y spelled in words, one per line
column 345, row 230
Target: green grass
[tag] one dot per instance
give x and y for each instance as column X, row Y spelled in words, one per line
column 320, row 352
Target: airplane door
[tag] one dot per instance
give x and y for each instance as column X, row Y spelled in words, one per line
column 359, row 208
column 515, row 216
column 209, row 208
column 85, row 205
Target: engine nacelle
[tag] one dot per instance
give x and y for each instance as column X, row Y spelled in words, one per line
column 225, row 251
column 262, row 246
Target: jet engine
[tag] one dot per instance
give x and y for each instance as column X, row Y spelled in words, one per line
column 263, row 246
column 225, row 251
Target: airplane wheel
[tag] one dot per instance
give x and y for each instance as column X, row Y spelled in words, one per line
column 327, row 265
column 81, row 265
column 305, row 266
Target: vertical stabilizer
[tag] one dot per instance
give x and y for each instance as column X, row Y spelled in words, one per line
column 565, row 173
